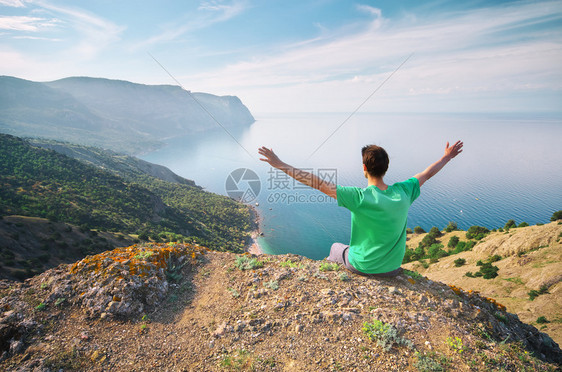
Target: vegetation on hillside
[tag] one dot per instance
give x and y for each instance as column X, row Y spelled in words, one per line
column 220, row 218
column 432, row 249
column 43, row 183
column 31, row 245
column 128, row 167
column 429, row 248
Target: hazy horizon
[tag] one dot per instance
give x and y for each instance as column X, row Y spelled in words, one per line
column 295, row 56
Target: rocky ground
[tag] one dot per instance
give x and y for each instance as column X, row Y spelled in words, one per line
column 180, row 308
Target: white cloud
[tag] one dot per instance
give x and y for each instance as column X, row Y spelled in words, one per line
column 12, row 3
column 24, row 23
column 460, row 58
column 225, row 10
column 371, row 10
column 476, row 52
column 209, row 13
column 94, row 33
column 23, row 37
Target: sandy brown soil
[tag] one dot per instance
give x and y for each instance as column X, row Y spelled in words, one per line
column 531, row 258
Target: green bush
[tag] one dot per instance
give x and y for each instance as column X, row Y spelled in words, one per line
column 413, row 274
column 477, row 232
column 428, row 241
column 542, row 320
column 502, row 318
column 556, row 216
column 272, row 284
column 428, row 363
column 414, row 254
column 523, row 224
column 386, row 335
column 418, row 230
column 409, row 231
column 435, row 232
column 459, row 248
column 247, row 263
column 509, row 224
column 495, row 258
column 453, row 242
column 489, row 271
column 408, row 254
column 469, row 245
column 452, row 226
column 533, row 293
column 436, row 251
column 329, row 266
column 459, row 262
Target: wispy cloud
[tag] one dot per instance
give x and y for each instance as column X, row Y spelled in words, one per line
column 93, row 33
column 12, row 3
column 24, row 23
column 369, row 9
column 22, row 37
column 473, row 55
column 225, row 9
column 208, row 13
column 483, row 50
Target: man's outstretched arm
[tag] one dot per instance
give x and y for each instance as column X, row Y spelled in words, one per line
column 450, row 153
column 307, row 178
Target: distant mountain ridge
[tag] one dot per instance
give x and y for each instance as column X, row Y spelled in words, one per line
column 114, row 114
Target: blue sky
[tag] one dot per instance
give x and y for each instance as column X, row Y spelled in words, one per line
column 302, row 56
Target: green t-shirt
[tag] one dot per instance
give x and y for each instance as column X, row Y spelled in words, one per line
column 378, row 224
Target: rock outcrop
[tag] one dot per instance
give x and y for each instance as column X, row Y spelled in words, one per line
column 179, row 307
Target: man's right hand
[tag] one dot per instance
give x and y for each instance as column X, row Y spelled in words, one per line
column 270, row 157
column 454, row 150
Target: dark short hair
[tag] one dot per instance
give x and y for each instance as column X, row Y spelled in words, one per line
column 375, row 159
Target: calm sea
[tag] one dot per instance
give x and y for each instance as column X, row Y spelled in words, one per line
column 511, row 168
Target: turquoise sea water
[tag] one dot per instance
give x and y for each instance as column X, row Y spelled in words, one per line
column 511, row 169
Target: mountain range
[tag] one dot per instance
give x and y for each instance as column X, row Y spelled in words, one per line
column 113, row 114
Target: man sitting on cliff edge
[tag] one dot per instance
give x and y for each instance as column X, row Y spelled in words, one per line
column 379, row 212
